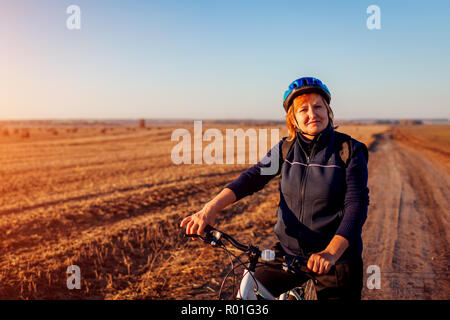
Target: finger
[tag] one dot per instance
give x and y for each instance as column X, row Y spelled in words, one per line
column 316, row 266
column 201, row 228
column 185, row 221
column 327, row 267
column 321, row 267
column 194, row 228
column 189, row 227
column 310, row 263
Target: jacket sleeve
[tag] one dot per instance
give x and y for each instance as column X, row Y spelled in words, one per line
column 256, row 177
column 356, row 198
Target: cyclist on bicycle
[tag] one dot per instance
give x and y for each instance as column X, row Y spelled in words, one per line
column 323, row 196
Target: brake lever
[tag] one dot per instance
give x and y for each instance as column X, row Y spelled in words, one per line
column 190, row 235
column 194, row 236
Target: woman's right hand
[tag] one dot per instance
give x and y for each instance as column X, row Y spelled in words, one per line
column 196, row 223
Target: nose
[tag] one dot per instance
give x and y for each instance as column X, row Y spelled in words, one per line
column 311, row 112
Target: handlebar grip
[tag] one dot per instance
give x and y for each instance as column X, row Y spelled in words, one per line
column 208, row 229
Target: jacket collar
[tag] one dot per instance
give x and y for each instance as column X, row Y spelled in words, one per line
column 323, row 138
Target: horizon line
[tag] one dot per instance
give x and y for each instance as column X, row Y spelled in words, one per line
column 212, row 119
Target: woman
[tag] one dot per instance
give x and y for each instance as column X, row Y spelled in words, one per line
column 323, row 197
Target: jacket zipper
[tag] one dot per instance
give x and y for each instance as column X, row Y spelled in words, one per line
column 305, row 178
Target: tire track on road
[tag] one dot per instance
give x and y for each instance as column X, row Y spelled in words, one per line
column 405, row 233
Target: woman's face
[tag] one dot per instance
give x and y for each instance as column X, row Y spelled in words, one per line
column 311, row 113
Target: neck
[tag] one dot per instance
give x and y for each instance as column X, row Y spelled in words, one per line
column 308, row 136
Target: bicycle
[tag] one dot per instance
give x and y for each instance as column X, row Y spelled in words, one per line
column 250, row 288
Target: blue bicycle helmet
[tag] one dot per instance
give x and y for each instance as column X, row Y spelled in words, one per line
column 302, row 86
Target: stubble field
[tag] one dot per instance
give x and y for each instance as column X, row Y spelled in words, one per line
column 109, row 199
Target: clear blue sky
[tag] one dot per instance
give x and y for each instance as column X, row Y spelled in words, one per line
column 221, row 59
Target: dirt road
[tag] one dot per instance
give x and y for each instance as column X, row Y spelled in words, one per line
column 406, row 233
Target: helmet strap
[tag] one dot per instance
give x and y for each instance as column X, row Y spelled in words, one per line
column 301, row 131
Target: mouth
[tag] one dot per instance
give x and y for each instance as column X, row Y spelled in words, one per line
column 313, row 122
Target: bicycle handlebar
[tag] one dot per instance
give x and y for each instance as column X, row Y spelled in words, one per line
column 226, row 236
column 214, row 237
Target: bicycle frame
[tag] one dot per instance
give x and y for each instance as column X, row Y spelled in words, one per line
column 247, row 289
column 250, row 287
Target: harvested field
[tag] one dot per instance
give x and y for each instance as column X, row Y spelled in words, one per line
column 432, row 141
column 110, row 199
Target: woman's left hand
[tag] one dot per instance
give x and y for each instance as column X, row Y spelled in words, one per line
column 321, row 262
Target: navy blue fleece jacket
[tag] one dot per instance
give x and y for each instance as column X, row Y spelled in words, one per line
column 319, row 195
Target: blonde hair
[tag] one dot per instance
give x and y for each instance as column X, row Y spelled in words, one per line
column 290, row 116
